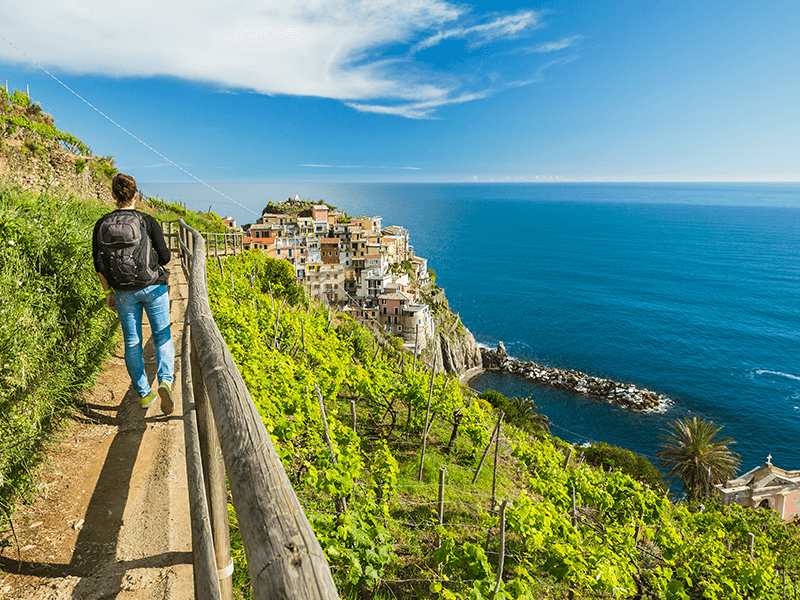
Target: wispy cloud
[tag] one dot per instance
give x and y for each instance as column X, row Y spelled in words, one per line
column 553, row 46
column 417, row 110
column 361, row 52
column 496, row 28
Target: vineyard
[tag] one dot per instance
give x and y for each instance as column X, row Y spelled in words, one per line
column 418, row 488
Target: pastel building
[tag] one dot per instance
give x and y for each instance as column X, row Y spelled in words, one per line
column 326, row 282
column 766, row 486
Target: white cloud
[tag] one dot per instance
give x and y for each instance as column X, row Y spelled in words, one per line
column 361, row 52
column 554, row 46
column 497, row 28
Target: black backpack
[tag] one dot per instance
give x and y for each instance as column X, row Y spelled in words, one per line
column 130, row 262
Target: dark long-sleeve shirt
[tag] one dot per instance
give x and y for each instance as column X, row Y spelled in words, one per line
column 156, row 238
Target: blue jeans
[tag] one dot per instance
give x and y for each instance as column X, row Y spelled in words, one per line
column 155, row 301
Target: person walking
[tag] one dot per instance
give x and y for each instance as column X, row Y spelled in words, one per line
column 129, row 253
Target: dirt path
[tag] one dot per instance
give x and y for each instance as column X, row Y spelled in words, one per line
column 110, row 519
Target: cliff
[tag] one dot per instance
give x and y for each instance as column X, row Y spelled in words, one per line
column 453, row 343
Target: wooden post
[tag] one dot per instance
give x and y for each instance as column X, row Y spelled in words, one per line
column 441, row 500
column 751, row 541
column 495, row 431
column 708, row 480
column 206, row 580
column 353, row 412
column 636, row 537
column 502, row 558
column 427, row 417
column 341, row 505
column 494, row 470
column 574, row 509
column 416, row 341
column 303, row 334
column 277, row 322
column 567, row 458
column 214, row 476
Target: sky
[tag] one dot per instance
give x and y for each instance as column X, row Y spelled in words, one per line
column 417, row 90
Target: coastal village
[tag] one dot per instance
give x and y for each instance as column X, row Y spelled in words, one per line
column 372, row 273
column 351, row 263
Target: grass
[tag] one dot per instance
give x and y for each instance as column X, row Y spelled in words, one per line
column 54, row 328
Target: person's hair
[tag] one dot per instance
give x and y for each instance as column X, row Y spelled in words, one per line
column 123, row 188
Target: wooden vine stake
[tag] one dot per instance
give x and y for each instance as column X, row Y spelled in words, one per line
column 341, row 504
column 427, row 417
column 353, row 412
column 416, row 341
column 501, row 560
column 567, row 458
column 496, row 452
column 303, row 334
column 574, row 509
column 495, row 431
column 441, row 501
column 277, row 323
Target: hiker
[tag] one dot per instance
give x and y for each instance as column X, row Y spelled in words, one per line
column 129, row 252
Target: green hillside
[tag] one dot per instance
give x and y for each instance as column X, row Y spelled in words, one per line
column 568, row 528
column 620, row 538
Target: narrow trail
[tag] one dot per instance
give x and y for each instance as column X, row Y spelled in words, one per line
column 110, row 519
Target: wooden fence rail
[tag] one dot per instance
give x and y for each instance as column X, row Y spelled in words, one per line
column 284, row 558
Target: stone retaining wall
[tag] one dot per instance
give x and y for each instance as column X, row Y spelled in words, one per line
column 53, row 171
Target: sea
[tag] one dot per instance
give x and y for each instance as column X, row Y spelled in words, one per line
column 691, row 290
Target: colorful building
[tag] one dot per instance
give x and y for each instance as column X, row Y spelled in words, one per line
column 766, row 486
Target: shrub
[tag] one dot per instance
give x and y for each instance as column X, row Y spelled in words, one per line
column 518, row 411
column 103, row 168
column 619, row 459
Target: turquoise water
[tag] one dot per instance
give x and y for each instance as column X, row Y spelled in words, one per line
column 692, row 290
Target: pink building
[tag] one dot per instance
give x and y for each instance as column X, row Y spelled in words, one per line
column 766, row 486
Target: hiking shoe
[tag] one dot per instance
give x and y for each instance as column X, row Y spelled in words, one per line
column 147, row 400
column 165, row 392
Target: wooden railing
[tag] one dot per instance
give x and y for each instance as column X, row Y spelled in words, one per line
column 217, row 244
column 224, row 434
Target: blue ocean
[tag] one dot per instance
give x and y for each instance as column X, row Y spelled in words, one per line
column 690, row 290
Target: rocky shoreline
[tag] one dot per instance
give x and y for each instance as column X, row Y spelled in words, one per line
column 626, row 395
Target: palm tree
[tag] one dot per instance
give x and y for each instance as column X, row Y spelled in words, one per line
column 688, row 451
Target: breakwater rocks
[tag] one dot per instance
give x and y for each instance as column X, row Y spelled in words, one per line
column 623, row 394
